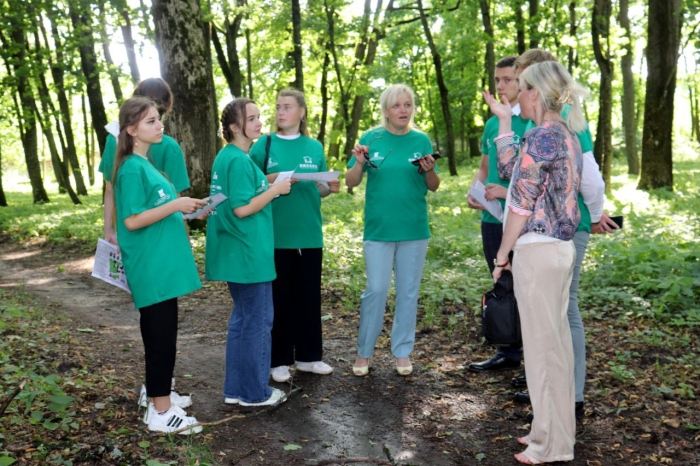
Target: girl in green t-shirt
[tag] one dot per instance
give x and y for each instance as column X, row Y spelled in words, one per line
column 239, row 250
column 165, row 155
column 156, row 254
column 297, row 332
column 396, row 223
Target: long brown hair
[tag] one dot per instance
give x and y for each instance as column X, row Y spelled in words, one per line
column 157, row 90
column 132, row 111
column 234, row 113
column 301, row 102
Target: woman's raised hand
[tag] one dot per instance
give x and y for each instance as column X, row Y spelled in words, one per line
column 500, row 109
column 359, row 152
column 189, row 205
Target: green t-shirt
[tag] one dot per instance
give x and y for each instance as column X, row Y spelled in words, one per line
column 395, row 205
column 157, row 259
column 586, row 141
column 297, row 216
column 488, row 148
column 166, row 156
column 239, row 250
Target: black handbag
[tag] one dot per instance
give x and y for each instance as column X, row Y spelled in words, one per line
column 500, row 321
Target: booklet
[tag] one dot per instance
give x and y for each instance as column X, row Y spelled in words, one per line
column 108, row 265
column 318, row 176
column 212, row 201
column 478, row 192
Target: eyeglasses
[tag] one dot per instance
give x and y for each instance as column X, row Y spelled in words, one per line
column 368, row 151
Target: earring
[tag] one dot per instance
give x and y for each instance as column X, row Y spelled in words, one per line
column 136, row 143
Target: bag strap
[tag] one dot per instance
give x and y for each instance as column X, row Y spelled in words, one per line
column 268, row 142
column 505, row 281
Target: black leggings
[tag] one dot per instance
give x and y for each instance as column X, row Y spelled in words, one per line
column 159, row 334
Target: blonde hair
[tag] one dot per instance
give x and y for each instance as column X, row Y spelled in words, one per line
column 532, row 56
column 301, row 102
column 391, row 95
column 556, row 88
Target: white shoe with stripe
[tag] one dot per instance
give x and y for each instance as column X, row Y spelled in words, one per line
column 170, row 421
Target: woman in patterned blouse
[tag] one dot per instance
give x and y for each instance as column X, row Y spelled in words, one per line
column 541, row 219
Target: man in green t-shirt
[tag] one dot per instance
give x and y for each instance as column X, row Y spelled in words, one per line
column 496, row 188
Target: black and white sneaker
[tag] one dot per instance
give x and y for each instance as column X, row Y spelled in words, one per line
column 171, row 421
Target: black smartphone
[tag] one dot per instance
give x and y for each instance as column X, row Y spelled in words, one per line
column 436, row 156
column 617, row 219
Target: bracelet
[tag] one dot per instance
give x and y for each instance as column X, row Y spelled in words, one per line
column 500, row 265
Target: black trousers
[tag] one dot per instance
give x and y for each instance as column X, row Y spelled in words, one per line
column 159, row 334
column 491, row 236
column 296, row 296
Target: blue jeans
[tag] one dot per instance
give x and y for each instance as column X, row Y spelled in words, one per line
column 575, row 322
column 406, row 258
column 248, row 343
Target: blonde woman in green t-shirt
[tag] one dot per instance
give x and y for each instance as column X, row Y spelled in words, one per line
column 156, row 254
column 240, row 251
column 297, row 331
column 396, row 223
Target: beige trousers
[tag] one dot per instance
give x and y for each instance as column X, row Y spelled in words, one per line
column 542, row 274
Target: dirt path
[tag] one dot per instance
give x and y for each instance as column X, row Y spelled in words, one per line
column 440, row 416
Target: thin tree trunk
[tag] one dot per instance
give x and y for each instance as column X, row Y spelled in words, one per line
column 86, row 125
column 664, row 30
column 223, row 63
column 182, row 39
column 324, row 96
column 249, row 63
column 600, row 28
column 111, row 68
column 70, row 153
column 91, row 159
column 233, row 31
column 694, row 111
column 296, row 39
column 442, row 87
column 490, row 53
column 629, row 122
column 3, row 200
column 24, row 101
column 534, row 24
column 436, row 134
column 130, row 46
column 520, row 26
column 82, row 25
column 571, row 57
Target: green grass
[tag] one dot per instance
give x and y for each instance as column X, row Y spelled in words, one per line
column 650, row 268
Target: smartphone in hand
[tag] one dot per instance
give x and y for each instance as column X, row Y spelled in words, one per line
column 416, row 162
column 618, row 219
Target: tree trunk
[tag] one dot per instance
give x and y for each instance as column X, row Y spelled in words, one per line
column 490, row 53
column 664, row 30
column 86, row 126
column 296, row 39
column 130, row 47
column 519, row 26
column 223, row 62
column 534, row 24
column 571, row 57
column 82, row 25
column 111, row 69
column 324, row 96
column 233, row 31
column 24, row 106
column 629, row 122
column 694, row 111
column 249, row 67
column 70, row 153
column 3, row 200
column 600, row 28
column 442, row 87
column 182, row 39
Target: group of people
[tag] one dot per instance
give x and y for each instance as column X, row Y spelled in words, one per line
column 265, row 240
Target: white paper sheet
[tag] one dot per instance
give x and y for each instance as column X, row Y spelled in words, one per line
column 108, row 265
column 318, row 176
column 213, row 201
column 478, row 192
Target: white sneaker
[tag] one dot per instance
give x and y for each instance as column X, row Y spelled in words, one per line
column 183, row 401
column 231, row 401
column 171, row 420
column 277, row 396
column 280, row 373
column 149, row 411
column 316, row 367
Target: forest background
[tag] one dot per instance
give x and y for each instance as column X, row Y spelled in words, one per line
column 66, row 65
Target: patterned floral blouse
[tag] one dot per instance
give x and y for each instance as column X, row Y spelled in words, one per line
column 546, row 178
